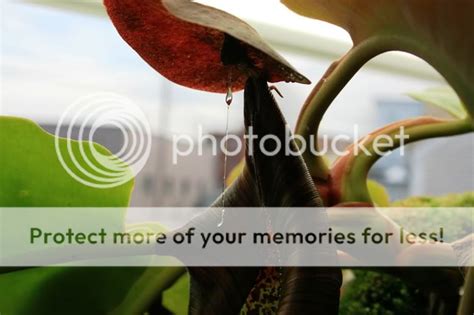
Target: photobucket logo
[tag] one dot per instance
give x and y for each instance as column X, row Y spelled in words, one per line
column 271, row 145
column 89, row 163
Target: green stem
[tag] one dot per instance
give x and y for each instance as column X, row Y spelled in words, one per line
column 153, row 282
column 342, row 71
column 330, row 85
column 356, row 167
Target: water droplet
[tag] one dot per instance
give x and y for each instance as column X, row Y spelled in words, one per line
column 229, row 97
column 221, row 222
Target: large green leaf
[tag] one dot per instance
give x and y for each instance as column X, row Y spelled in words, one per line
column 444, row 98
column 65, row 290
column 32, row 176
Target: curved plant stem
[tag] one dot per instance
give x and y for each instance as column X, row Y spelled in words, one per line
column 331, row 84
column 352, row 170
column 342, row 71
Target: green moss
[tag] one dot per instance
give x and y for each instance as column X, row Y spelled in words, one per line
column 459, row 222
column 452, row 200
column 373, row 293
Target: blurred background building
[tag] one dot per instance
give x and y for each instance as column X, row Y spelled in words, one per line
column 54, row 52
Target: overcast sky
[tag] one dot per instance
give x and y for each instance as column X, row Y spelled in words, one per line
column 51, row 58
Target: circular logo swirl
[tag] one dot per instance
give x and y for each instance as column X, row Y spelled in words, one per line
column 91, row 164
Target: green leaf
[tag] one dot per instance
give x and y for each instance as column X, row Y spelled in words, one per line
column 378, row 193
column 444, row 98
column 31, row 174
column 65, row 290
column 176, row 297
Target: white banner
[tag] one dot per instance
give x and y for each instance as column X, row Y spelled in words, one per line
column 237, row 237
